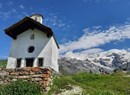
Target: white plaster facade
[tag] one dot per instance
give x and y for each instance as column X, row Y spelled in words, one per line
column 45, row 47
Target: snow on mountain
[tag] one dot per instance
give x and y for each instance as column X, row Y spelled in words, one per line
column 111, row 59
column 104, row 61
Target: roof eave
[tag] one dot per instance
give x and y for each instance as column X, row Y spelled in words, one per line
column 28, row 21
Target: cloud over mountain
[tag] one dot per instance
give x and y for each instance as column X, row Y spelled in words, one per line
column 94, row 38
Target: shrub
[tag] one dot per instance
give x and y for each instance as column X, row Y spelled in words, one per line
column 21, row 88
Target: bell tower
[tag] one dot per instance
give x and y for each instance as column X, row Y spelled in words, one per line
column 37, row 17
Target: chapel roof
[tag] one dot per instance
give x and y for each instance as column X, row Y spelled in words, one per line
column 25, row 24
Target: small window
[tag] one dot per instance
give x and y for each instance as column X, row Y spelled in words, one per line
column 18, row 63
column 32, row 37
column 40, row 62
column 31, row 49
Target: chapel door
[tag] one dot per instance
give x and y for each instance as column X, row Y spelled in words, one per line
column 18, row 65
column 29, row 62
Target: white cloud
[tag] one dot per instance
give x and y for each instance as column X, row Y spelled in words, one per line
column 0, row 5
column 12, row 13
column 83, row 54
column 25, row 13
column 128, row 49
column 5, row 15
column 54, row 21
column 9, row 3
column 21, row 6
column 13, row 10
column 96, row 37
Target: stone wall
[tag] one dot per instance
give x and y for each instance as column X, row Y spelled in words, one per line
column 43, row 76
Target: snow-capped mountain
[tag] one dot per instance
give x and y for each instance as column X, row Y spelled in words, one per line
column 111, row 59
column 104, row 62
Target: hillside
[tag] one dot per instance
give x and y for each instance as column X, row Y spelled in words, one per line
column 91, row 84
column 75, row 84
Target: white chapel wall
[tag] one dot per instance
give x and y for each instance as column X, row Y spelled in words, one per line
column 44, row 47
column 19, row 48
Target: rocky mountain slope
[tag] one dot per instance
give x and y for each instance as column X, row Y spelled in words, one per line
column 104, row 62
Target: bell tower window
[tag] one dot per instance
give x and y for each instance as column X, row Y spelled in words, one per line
column 32, row 37
column 36, row 18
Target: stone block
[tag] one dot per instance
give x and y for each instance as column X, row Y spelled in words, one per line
column 3, row 74
column 36, row 76
column 49, row 72
column 14, row 73
column 36, row 79
column 14, row 79
column 45, row 79
column 23, row 73
column 23, row 77
column 19, row 70
column 10, row 70
column 36, row 69
column 1, row 82
column 45, row 75
column 31, row 73
column 27, row 69
column 5, row 81
column 45, row 84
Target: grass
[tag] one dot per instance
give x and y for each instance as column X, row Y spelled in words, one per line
column 94, row 84
column 3, row 63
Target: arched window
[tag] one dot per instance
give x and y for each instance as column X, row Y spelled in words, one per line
column 32, row 36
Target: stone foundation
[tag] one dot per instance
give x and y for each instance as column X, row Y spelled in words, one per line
column 43, row 76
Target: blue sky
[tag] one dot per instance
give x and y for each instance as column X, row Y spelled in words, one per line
column 80, row 26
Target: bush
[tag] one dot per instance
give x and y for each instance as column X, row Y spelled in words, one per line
column 21, row 88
